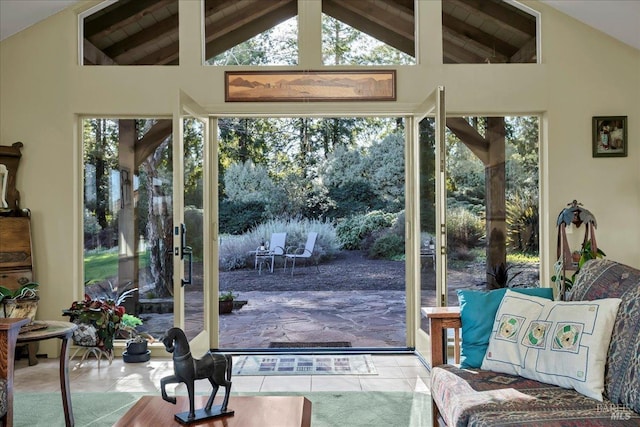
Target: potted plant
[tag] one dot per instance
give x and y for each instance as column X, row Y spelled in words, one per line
column 225, row 302
column 583, row 255
column 98, row 321
column 137, row 342
column 21, row 302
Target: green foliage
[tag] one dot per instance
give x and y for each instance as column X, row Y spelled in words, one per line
column 104, row 314
column 385, row 168
column 130, row 320
column 500, row 273
column 388, row 246
column 227, row 296
column 464, row 228
column 247, row 182
column 26, row 291
column 353, row 197
column 352, row 231
column 275, row 46
column 586, row 254
column 344, row 45
column 523, row 223
column 238, row 217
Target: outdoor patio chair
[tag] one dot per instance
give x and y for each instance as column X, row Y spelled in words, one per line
column 302, row 253
column 268, row 254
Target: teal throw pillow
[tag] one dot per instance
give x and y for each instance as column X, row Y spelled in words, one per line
column 477, row 312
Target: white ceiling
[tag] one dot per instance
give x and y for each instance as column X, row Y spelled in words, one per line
column 618, row 18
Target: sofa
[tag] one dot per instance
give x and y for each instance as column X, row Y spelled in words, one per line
column 499, row 397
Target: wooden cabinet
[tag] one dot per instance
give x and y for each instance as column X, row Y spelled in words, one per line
column 16, row 264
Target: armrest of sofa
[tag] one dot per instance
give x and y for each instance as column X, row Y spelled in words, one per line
column 440, row 320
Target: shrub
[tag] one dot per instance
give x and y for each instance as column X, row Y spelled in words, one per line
column 523, row 224
column 353, row 197
column 238, row 217
column 235, row 250
column 387, row 246
column 352, row 231
column 464, row 229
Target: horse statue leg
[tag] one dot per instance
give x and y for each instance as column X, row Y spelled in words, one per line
column 227, row 382
column 213, row 394
column 171, row 379
column 191, row 390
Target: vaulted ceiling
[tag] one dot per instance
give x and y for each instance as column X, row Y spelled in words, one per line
column 145, row 32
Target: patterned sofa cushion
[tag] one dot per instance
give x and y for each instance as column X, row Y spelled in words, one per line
column 603, row 278
column 3, row 397
column 482, row 398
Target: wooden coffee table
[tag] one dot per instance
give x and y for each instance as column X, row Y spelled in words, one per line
column 250, row 411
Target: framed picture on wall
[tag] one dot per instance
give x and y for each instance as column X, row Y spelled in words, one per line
column 610, row 136
column 304, row 86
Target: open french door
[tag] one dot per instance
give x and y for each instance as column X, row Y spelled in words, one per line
column 192, row 230
column 433, row 108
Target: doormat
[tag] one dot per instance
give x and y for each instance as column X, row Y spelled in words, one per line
column 352, row 364
column 303, row 344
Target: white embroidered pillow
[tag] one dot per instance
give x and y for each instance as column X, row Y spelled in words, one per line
column 555, row 342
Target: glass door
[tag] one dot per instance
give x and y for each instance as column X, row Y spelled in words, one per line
column 428, row 237
column 192, row 282
column 128, row 216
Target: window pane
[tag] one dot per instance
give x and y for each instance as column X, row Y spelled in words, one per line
column 491, row 32
column 251, row 32
column 128, row 215
column 343, row 44
column 132, row 33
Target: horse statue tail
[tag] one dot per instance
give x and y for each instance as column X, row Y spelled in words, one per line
column 229, row 366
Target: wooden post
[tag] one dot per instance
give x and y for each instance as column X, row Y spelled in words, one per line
column 495, row 196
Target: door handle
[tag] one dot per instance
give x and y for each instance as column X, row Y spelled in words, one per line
column 185, row 251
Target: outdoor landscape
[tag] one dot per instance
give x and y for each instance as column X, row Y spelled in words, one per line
column 343, row 178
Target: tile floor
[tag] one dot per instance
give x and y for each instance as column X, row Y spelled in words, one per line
column 395, row 373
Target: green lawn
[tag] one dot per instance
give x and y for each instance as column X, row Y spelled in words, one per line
column 103, row 265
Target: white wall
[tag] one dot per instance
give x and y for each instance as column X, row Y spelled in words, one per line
column 584, row 73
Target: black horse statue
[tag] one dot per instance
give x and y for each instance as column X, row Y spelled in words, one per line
column 216, row 367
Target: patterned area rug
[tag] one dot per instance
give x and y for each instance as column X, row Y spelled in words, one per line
column 305, row 344
column 353, row 364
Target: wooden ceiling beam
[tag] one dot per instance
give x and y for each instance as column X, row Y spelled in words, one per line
column 386, row 14
column 500, row 14
column 119, row 15
column 166, row 55
column 470, row 137
column 470, row 32
column 163, row 29
column 240, row 17
column 488, row 54
column 459, row 55
column 394, row 36
column 527, row 53
column 151, row 140
column 94, row 56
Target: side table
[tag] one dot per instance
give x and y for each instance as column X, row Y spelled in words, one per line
column 63, row 331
